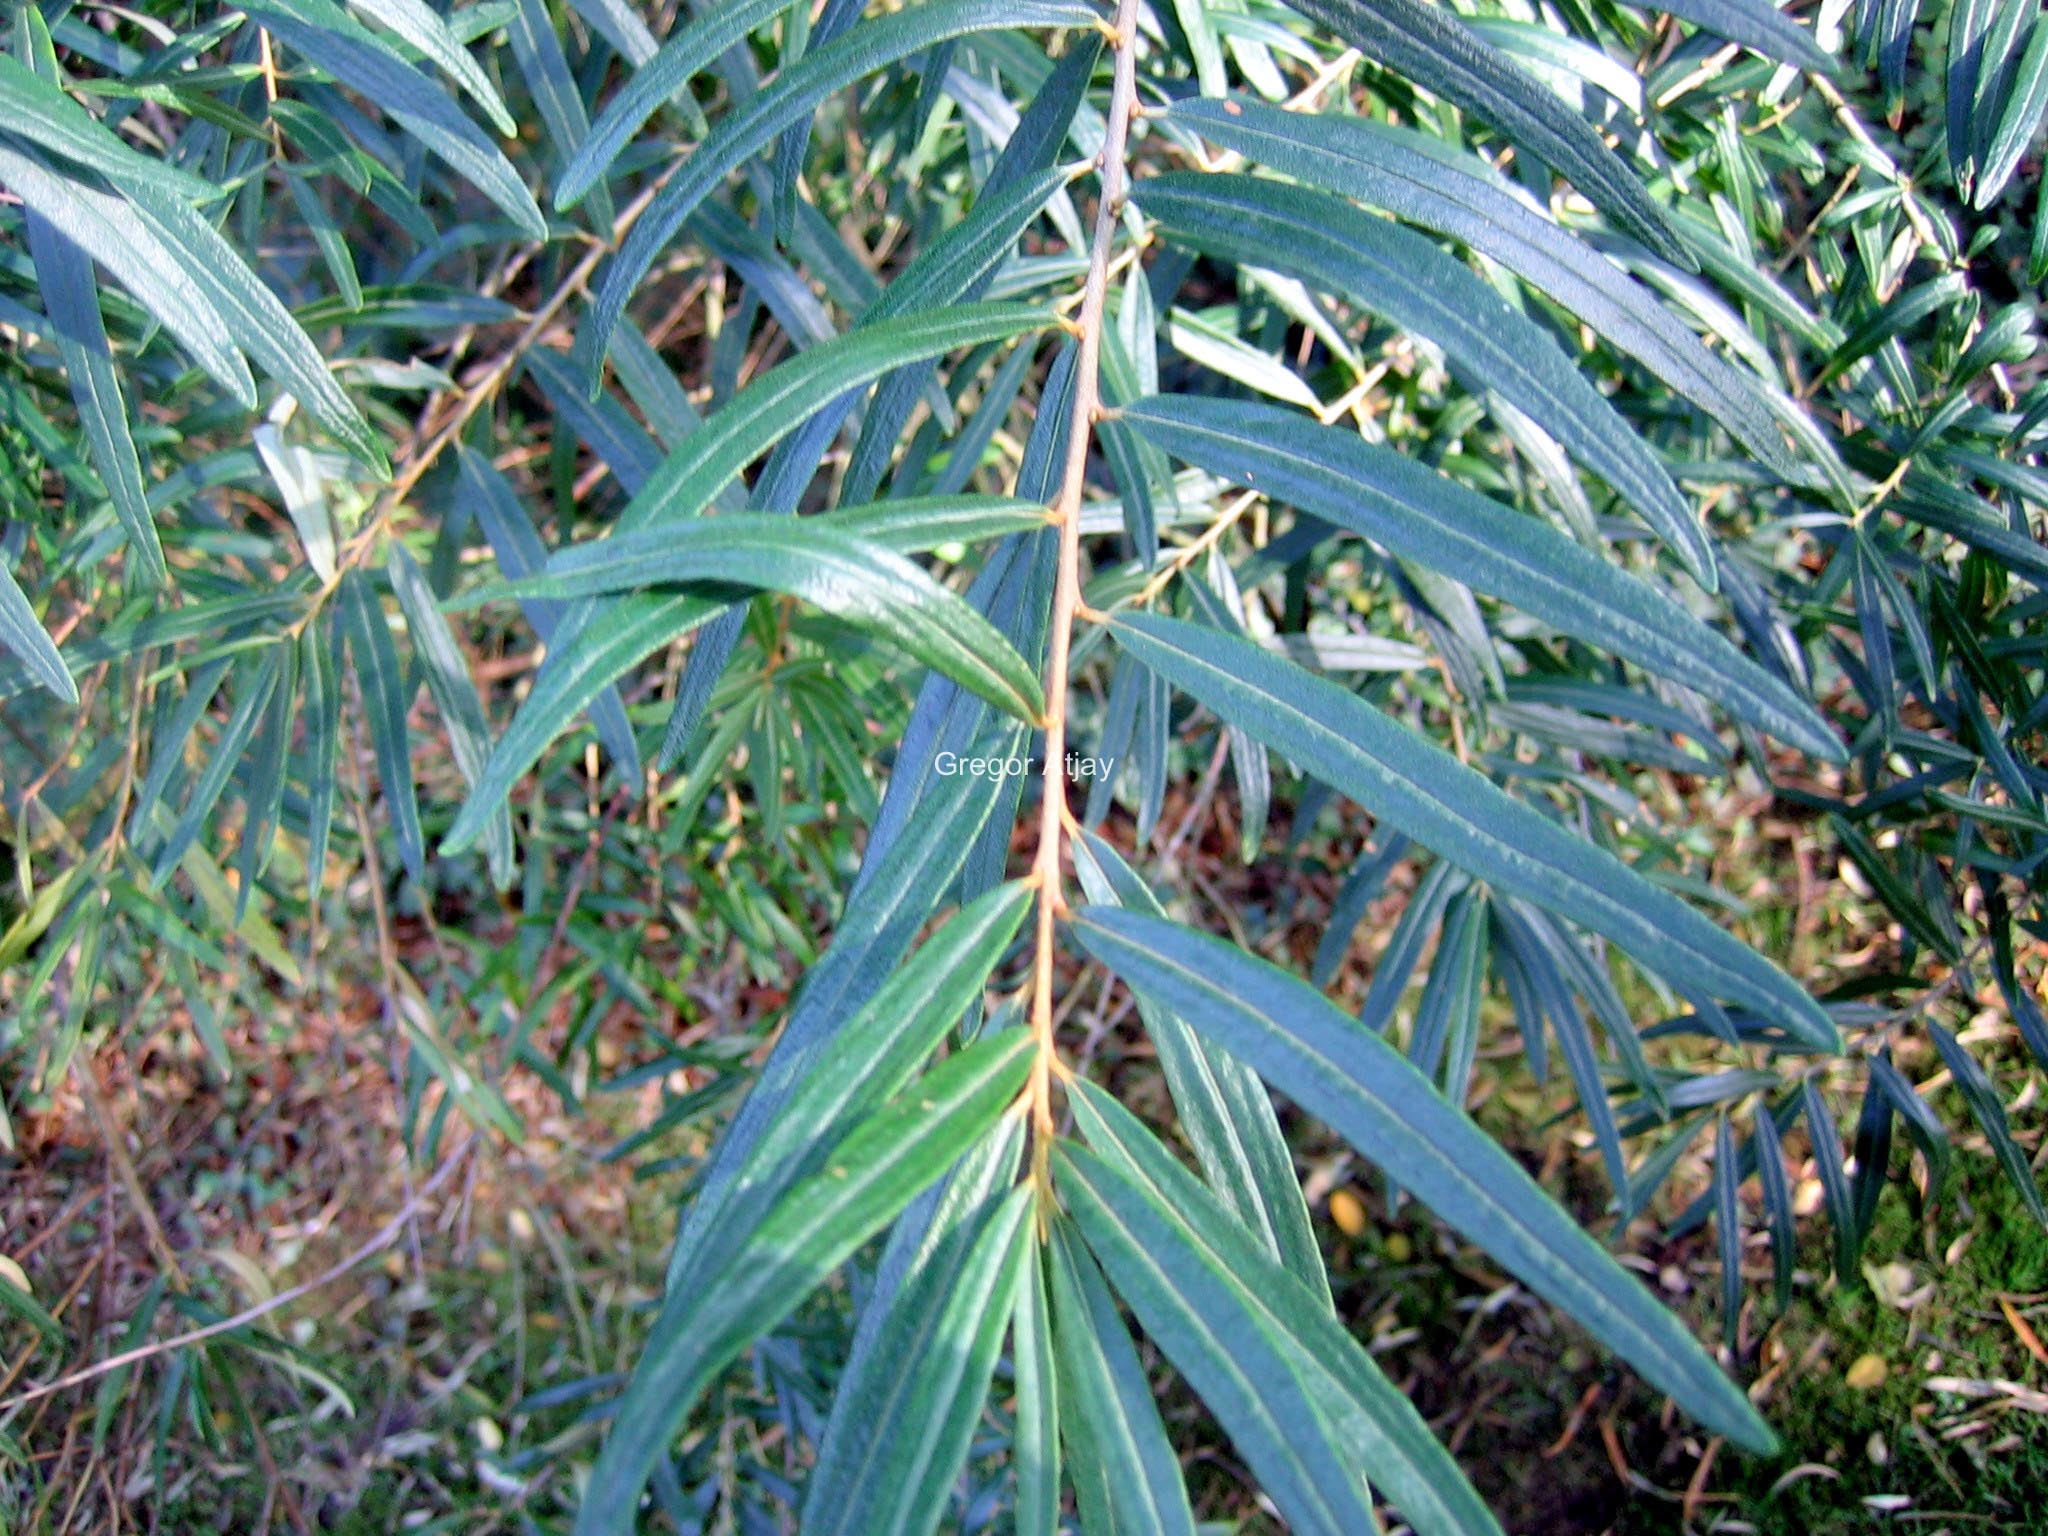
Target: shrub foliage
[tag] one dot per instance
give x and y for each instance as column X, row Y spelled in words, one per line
column 823, row 411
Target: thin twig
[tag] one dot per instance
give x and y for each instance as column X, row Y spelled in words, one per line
column 384, row 1237
column 1066, row 514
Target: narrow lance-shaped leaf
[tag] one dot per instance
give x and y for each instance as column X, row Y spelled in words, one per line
column 1398, row 274
column 869, row 1178
column 1208, row 1331
column 687, row 53
column 37, row 110
column 319, row 659
column 1415, row 513
column 514, row 540
column 256, row 682
column 866, row 585
column 782, row 399
column 448, row 680
column 1728, row 1224
column 1759, row 26
column 1424, row 792
column 23, row 634
column 257, row 320
column 1454, row 192
column 1433, row 48
column 1223, row 1107
column 1921, row 1122
column 1137, row 1183
column 1366, row 1090
column 908, row 881
column 911, row 1451
column 331, row 42
column 1041, row 132
column 1035, row 1459
column 1982, row 1098
column 1126, row 1477
column 64, row 273
column 869, row 47
column 416, row 23
column 1834, row 1182
column 1776, row 1184
column 865, row 1060
column 109, row 230
column 386, row 701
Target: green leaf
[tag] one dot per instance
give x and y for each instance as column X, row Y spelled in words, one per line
column 917, row 523
column 1426, row 182
column 869, row 1057
column 333, row 43
column 64, row 274
column 1401, row 276
column 693, row 48
column 1760, row 27
column 569, row 680
column 902, row 883
column 538, row 52
column 23, row 634
column 2019, row 121
column 1223, row 1108
column 871, row 46
column 258, row 680
column 508, row 526
column 386, row 702
column 1127, row 1479
column 782, row 399
column 940, row 1358
column 109, row 230
column 1727, row 1180
column 864, row 585
column 1210, row 1332
column 1131, row 1198
column 264, row 800
column 1776, row 1183
column 1834, row 1183
column 318, row 657
column 1899, row 898
column 1989, row 1114
column 1035, row 1447
column 258, row 321
column 1419, row 515
column 870, row 1177
column 16, row 1301
column 1922, row 1123
column 449, row 681
column 416, row 23
column 1424, row 792
column 1372, row 1095
column 35, row 109
column 1968, row 21
column 1434, row 49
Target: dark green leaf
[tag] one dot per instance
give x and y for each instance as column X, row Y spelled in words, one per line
column 1433, row 48
column 1142, row 1211
column 863, row 584
column 1400, row 275
column 1978, row 1093
column 1127, row 1480
column 387, row 700
column 1426, row 182
column 1428, row 795
column 876, row 1171
column 1357, row 1083
column 795, row 93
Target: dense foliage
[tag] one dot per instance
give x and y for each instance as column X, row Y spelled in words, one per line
column 829, row 478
